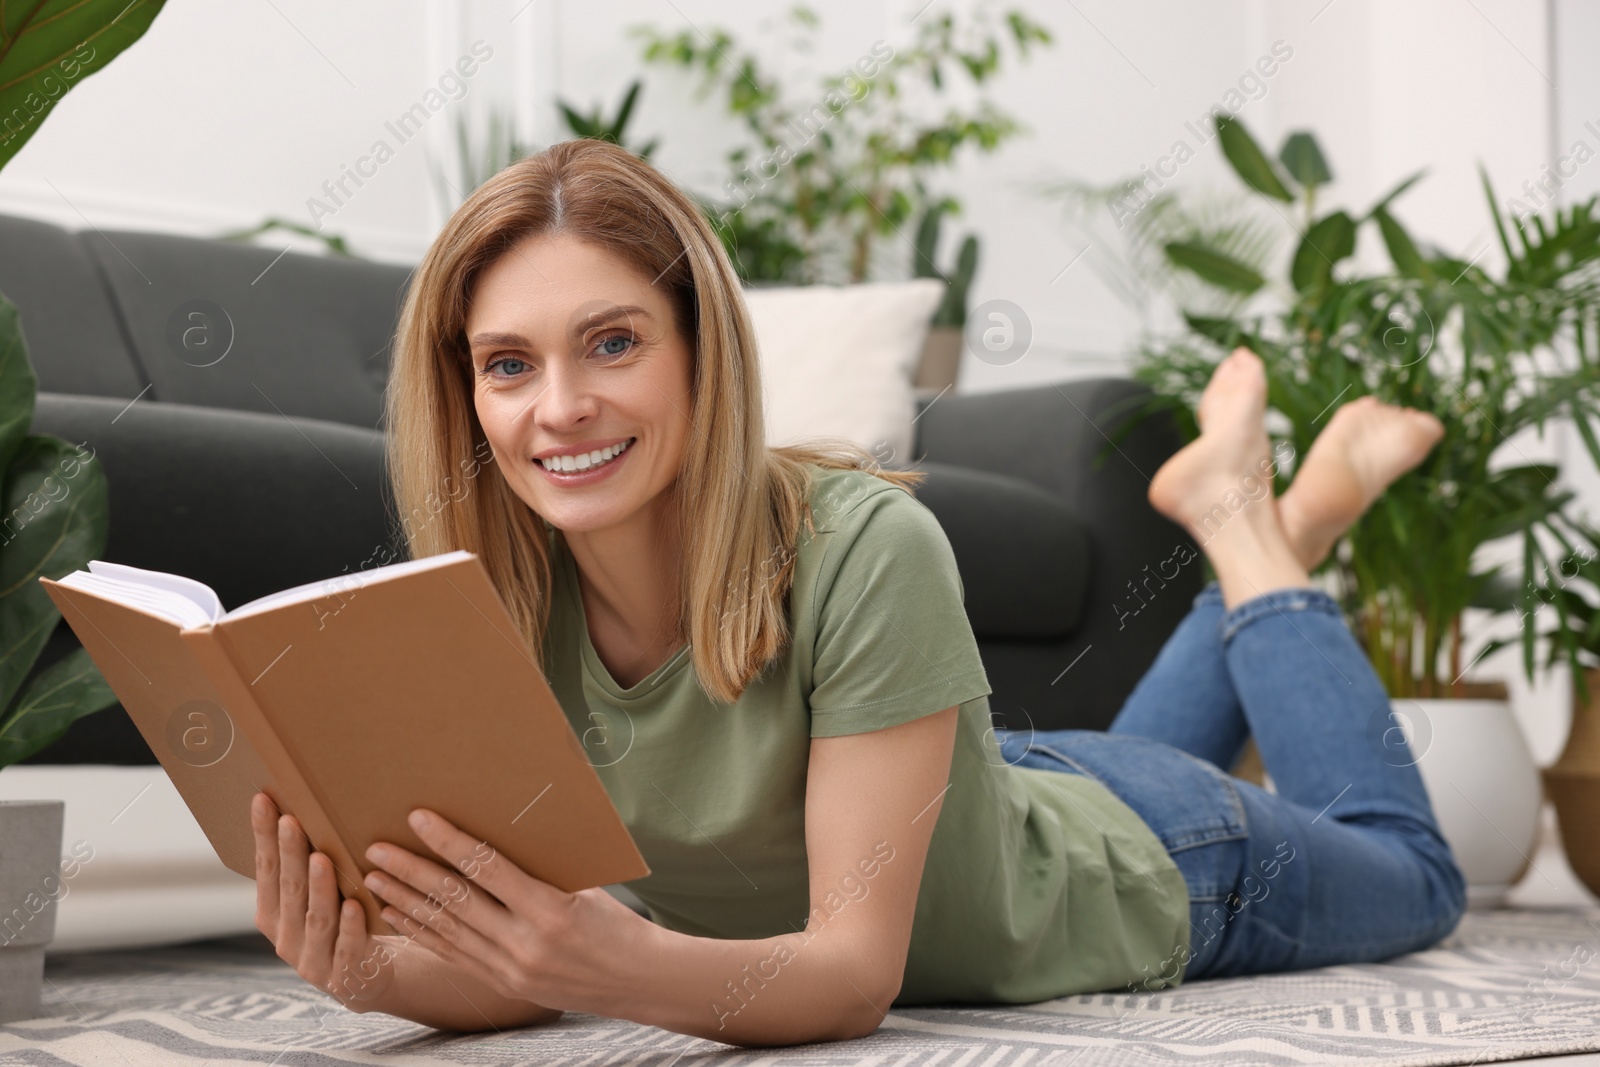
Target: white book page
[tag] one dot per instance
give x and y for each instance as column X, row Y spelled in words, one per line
column 199, row 593
column 153, row 600
column 193, row 604
column 344, row 583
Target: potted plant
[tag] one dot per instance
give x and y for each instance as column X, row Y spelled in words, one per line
column 1573, row 780
column 820, row 181
column 940, row 364
column 1489, row 356
column 53, row 522
column 52, row 513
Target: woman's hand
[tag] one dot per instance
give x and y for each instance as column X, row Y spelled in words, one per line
column 522, row 937
column 298, row 907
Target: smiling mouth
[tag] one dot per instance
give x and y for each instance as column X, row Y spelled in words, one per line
column 587, row 461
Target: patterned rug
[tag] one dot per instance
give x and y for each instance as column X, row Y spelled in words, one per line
column 1506, row 985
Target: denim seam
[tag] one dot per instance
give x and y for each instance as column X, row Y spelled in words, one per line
column 1187, row 840
column 1276, row 602
column 1077, row 767
column 1208, row 841
column 1211, row 594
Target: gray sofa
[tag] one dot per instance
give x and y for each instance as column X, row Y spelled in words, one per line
column 247, row 454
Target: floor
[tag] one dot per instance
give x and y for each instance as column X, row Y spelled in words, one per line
column 1550, row 882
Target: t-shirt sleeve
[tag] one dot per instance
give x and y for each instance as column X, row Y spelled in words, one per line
column 893, row 641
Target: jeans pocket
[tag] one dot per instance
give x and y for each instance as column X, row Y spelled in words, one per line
column 1186, row 802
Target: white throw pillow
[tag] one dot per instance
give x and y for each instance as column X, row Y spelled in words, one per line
column 840, row 359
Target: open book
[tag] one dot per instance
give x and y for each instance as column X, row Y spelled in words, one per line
column 351, row 701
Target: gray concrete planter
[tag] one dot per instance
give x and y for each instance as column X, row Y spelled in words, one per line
column 30, row 885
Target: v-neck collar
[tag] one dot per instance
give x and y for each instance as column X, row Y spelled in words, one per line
column 646, row 686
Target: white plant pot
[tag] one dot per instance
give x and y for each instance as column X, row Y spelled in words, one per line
column 30, row 885
column 1482, row 782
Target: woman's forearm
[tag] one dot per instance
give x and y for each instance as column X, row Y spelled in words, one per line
column 785, row 990
column 427, row 990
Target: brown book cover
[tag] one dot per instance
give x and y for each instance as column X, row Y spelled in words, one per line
column 352, row 707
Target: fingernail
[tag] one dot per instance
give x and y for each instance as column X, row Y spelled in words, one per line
column 419, row 820
column 378, row 854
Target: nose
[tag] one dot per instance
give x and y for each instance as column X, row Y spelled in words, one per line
column 566, row 398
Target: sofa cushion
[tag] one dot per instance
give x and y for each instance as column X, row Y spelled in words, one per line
column 233, row 325
column 1024, row 556
column 68, row 320
column 839, row 360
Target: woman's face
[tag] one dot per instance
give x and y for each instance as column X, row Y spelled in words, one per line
column 575, row 353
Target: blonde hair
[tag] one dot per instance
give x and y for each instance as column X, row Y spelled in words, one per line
column 749, row 500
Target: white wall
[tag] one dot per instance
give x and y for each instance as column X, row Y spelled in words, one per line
column 223, row 115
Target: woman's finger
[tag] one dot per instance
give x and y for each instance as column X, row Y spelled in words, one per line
column 447, row 911
column 292, row 877
column 362, row 966
column 322, row 921
column 264, row 824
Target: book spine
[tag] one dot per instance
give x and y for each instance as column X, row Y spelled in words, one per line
column 295, row 795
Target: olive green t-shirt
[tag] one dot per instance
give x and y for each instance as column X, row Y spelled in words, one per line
column 1037, row 883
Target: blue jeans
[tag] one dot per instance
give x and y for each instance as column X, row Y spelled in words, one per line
column 1344, row 863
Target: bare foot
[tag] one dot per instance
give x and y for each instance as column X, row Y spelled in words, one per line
column 1365, row 446
column 1221, row 470
column 1219, row 486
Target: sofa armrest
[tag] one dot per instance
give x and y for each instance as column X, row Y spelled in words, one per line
column 247, row 503
column 1146, row 569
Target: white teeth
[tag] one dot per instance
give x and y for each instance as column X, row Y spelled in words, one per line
column 586, row 460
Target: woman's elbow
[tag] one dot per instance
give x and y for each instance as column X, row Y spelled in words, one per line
column 537, row 1015
column 872, row 1004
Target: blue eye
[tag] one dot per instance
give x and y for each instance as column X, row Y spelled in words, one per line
column 511, row 363
column 628, row 339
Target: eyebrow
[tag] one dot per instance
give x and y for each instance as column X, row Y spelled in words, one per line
column 496, row 338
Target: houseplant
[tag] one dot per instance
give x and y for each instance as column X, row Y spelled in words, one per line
column 1573, row 780
column 1489, row 356
column 941, row 354
column 52, row 508
column 480, row 158
column 53, row 522
column 500, row 145
column 821, row 180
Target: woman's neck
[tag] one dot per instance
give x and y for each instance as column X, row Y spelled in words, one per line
column 628, row 580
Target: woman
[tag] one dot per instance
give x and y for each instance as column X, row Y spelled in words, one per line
column 766, row 655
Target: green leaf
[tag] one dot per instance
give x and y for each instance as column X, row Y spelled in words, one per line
column 1396, row 191
column 62, row 693
column 48, row 47
column 620, row 123
column 1407, row 260
column 1330, row 239
column 1494, row 212
column 17, row 384
column 55, row 506
column 1222, row 332
column 1248, row 161
column 1303, row 160
column 1220, row 270
column 579, row 124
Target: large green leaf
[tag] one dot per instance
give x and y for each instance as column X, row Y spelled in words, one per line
column 1302, row 158
column 48, row 46
column 1248, row 161
column 1330, row 239
column 1215, row 267
column 1407, row 260
column 1225, row 333
column 1390, row 196
column 54, row 521
column 63, row 692
column 17, row 384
